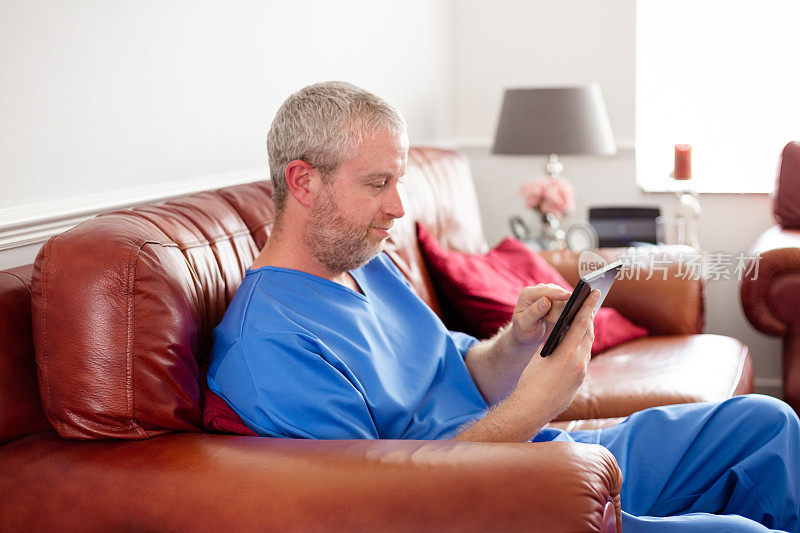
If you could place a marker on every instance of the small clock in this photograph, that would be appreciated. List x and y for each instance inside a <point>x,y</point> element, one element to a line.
<point>581,237</point>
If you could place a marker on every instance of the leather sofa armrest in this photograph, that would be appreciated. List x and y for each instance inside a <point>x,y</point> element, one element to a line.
<point>770,289</point>
<point>663,292</point>
<point>179,482</point>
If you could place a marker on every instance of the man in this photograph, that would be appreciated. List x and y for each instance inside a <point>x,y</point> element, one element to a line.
<point>325,339</point>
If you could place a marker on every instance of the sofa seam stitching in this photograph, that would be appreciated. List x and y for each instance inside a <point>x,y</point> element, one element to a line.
<point>214,240</point>
<point>129,344</point>
<point>46,360</point>
<point>129,322</point>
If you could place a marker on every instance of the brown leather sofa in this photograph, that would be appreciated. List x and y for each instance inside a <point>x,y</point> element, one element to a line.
<point>770,292</point>
<point>104,341</point>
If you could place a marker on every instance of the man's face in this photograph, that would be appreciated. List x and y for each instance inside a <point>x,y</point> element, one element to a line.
<point>353,211</point>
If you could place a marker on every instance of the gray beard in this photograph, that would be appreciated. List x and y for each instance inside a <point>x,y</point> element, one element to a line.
<point>334,241</point>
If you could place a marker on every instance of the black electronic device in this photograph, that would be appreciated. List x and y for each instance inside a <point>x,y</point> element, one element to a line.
<point>599,279</point>
<point>624,226</point>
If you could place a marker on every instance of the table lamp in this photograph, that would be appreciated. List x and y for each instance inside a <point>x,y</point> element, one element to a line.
<point>552,121</point>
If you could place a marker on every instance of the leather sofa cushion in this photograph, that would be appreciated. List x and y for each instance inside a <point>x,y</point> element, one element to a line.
<point>662,370</point>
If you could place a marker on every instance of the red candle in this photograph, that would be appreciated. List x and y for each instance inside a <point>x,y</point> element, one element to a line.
<point>683,162</point>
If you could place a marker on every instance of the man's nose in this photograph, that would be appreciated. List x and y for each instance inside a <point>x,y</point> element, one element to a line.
<point>394,207</point>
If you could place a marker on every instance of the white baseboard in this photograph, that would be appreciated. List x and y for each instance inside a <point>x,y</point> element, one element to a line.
<point>35,223</point>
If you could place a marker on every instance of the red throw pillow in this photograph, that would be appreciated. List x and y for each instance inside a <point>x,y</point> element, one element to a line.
<point>483,289</point>
<point>218,416</point>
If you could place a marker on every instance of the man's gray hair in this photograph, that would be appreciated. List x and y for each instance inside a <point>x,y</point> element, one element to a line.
<point>323,124</point>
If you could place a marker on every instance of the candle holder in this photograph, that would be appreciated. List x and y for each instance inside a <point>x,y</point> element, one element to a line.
<point>688,207</point>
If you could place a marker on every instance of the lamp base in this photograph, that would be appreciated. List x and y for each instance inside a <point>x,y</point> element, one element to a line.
<point>551,237</point>
<point>554,167</point>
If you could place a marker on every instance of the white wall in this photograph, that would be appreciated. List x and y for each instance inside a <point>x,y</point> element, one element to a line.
<point>548,42</point>
<point>97,96</point>
<point>519,43</point>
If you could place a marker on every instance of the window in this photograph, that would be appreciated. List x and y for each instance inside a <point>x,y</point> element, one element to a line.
<point>722,76</point>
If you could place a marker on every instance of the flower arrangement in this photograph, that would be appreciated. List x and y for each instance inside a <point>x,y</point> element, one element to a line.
<point>550,195</point>
<point>553,197</point>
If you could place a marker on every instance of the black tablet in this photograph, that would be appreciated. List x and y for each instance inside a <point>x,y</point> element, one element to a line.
<point>599,279</point>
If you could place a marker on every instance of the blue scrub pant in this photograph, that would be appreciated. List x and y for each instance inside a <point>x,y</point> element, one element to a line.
<point>729,466</point>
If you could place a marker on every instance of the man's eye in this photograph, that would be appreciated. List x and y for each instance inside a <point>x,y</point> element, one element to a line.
<point>379,186</point>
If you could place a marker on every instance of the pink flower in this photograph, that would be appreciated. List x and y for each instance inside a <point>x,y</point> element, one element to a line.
<point>549,195</point>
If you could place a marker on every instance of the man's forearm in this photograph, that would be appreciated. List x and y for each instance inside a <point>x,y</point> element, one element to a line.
<point>495,365</point>
<point>515,419</point>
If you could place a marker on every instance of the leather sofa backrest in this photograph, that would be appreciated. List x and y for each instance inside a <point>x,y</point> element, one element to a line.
<point>21,411</point>
<point>786,197</point>
<point>124,304</point>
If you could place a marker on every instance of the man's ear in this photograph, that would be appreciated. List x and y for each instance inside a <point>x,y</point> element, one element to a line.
<point>302,180</point>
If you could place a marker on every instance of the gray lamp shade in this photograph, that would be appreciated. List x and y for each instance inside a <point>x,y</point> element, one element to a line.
<point>560,120</point>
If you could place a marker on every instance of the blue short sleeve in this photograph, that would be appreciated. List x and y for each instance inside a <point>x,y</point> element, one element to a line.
<point>286,385</point>
<point>463,342</point>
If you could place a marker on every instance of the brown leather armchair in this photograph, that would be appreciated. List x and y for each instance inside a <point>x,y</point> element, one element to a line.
<point>770,292</point>
<point>104,339</point>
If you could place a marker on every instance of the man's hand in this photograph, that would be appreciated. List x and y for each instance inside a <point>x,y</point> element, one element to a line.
<point>535,314</point>
<point>496,364</point>
<point>546,385</point>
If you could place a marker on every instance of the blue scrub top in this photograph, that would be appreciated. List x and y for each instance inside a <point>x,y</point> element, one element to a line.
<point>300,356</point>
